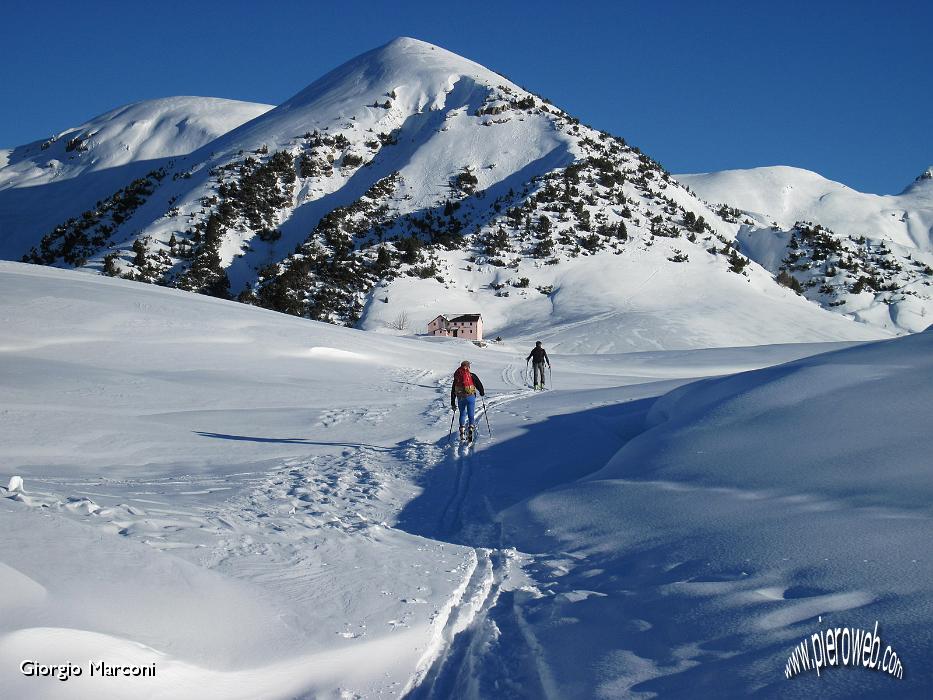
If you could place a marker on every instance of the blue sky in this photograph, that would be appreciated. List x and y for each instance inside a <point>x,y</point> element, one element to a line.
<point>842,88</point>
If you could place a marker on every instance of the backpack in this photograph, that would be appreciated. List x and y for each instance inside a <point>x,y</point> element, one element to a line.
<point>463,382</point>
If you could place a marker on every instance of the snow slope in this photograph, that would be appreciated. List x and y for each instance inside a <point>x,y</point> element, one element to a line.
<point>266,506</point>
<point>786,195</point>
<point>631,302</point>
<point>44,183</point>
<point>741,516</point>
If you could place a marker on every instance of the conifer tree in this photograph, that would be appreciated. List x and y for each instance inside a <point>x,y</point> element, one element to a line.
<point>139,260</point>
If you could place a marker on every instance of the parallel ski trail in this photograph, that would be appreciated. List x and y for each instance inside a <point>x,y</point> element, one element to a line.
<point>440,678</point>
<point>484,646</point>
<point>451,517</point>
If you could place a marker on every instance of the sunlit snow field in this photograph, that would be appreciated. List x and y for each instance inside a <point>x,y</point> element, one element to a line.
<point>265,506</point>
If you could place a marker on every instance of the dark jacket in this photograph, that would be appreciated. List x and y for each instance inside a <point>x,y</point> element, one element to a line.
<point>453,390</point>
<point>538,355</point>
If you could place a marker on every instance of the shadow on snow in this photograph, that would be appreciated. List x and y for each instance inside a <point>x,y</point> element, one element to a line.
<point>462,495</point>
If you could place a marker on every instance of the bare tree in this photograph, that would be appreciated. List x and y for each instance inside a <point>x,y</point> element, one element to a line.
<point>400,322</point>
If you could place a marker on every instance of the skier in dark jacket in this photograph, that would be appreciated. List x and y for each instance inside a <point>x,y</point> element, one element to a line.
<point>538,357</point>
<point>463,394</point>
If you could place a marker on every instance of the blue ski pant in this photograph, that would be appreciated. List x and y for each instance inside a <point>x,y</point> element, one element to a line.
<point>467,405</point>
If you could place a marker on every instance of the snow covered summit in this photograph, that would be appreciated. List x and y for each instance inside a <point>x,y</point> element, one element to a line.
<point>418,71</point>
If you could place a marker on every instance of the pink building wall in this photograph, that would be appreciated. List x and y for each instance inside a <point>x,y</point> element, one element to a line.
<point>468,326</point>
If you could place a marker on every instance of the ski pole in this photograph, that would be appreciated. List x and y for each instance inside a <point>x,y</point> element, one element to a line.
<point>486,414</point>
<point>550,375</point>
<point>527,373</point>
<point>451,431</point>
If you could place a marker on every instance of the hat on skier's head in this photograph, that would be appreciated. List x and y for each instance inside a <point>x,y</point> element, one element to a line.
<point>538,344</point>
<point>465,363</point>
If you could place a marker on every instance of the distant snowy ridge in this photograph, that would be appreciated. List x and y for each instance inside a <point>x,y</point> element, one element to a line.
<point>46,182</point>
<point>865,255</point>
<point>413,181</point>
<point>147,130</point>
<point>785,195</point>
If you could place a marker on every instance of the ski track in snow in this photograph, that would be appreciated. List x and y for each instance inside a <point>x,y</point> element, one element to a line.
<point>453,669</point>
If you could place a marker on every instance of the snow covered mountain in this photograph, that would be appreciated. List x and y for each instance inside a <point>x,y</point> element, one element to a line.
<point>148,130</point>
<point>44,183</point>
<point>865,255</point>
<point>410,182</point>
<point>785,195</point>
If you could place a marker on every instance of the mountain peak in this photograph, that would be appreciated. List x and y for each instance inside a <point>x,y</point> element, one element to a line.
<point>923,183</point>
<point>416,68</point>
<point>404,42</point>
<point>407,47</point>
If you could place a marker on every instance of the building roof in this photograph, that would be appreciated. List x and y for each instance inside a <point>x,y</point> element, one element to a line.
<point>465,318</point>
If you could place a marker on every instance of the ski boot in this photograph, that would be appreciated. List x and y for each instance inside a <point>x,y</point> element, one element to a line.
<point>462,434</point>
